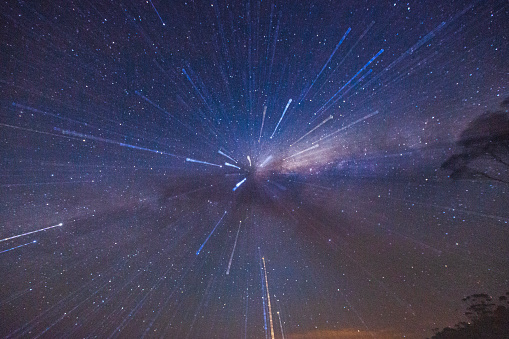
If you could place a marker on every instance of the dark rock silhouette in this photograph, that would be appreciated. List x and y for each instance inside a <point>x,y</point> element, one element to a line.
<point>487,319</point>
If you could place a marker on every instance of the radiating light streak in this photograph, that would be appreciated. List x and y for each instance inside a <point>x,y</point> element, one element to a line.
<point>347,126</point>
<point>69,299</point>
<point>176,287</point>
<point>426,38</point>
<point>349,81</point>
<point>263,121</point>
<point>231,165</point>
<point>268,82</point>
<point>247,308</point>
<point>353,86</point>
<point>32,232</point>
<point>326,107</point>
<point>347,54</point>
<point>348,90</point>
<point>109,141</point>
<point>66,314</point>
<point>32,109</point>
<point>314,185</point>
<point>36,131</point>
<point>263,297</point>
<point>196,89</point>
<point>232,174</point>
<point>238,184</point>
<point>203,302</point>
<point>345,251</point>
<point>436,250</point>
<point>202,162</point>
<point>188,192</point>
<point>266,161</point>
<point>10,249</point>
<point>201,247</point>
<point>154,7</point>
<point>189,128</point>
<point>306,150</point>
<point>249,159</point>
<point>280,119</point>
<point>268,300</point>
<point>226,155</point>
<point>357,314</point>
<point>281,187</point>
<point>324,66</point>
<point>320,124</point>
<point>23,107</point>
<point>153,103</point>
<point>461,210</point>
<point>233,251</point>
<point>281,325</point>
<point>49,183</point>
<point>412,49</point>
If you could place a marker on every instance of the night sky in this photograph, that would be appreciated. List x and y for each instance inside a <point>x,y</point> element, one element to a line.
<point>246,169</point>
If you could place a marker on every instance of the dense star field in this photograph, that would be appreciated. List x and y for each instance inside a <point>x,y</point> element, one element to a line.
<point>247,169</point>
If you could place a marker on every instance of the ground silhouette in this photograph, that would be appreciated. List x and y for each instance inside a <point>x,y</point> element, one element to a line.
<point>484,148</point>
<point>487,319</point>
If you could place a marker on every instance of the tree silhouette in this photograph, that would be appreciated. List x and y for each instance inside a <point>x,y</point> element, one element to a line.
<point>487,319</point>
<point>484,148</point>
